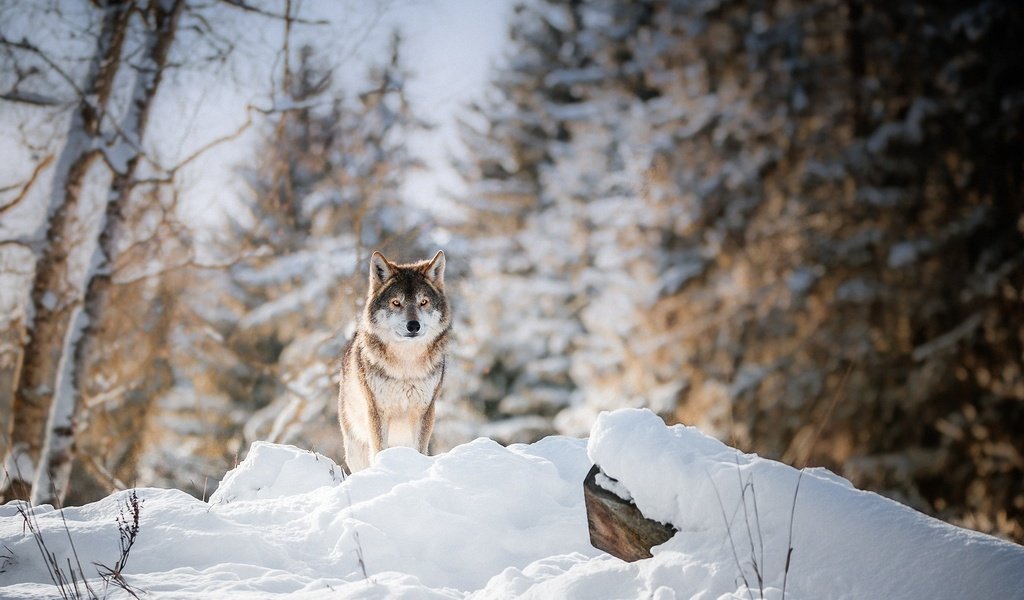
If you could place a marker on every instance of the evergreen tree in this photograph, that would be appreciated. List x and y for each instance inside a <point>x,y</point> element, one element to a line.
<point>523,245</point>
<point>260,363</point>
<point>795,225</point>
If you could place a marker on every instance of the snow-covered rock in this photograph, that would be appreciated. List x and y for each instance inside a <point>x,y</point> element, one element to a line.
<point>846,542</point>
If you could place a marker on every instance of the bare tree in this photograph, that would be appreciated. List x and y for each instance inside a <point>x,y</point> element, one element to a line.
<point>55,297</point>
<point>52,478</point>
<point>99,173</point>
<point>63,302</point>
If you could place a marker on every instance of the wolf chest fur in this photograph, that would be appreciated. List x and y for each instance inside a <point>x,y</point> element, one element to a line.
<point>393,368</point>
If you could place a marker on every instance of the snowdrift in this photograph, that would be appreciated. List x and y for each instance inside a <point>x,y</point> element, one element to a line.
<point>486,521</point>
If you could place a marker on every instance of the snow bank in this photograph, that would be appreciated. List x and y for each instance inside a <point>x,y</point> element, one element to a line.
<point>284,523</point>
<point>486,521</point>
<point>274,471</point>
<point>847,542</point>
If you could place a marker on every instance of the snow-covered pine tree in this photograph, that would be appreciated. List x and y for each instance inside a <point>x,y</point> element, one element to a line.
<point>570,254</point>
<point>852,182</point>
<point>781,220</point>
<point>524,244</point>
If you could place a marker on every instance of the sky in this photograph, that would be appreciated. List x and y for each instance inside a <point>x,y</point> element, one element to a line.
<point>451,47</point>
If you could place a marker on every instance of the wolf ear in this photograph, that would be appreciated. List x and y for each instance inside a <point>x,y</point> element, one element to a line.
<point>381,270</point>
<point>434,271</point>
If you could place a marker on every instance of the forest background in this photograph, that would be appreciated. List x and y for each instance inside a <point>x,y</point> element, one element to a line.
<point>795,225</point>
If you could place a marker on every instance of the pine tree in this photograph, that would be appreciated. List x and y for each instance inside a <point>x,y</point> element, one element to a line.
<point>523,245</point>
<point>324,192</point>
<point>794,225</point>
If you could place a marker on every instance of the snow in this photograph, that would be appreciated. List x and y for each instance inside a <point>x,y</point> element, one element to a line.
<point>276,471</point>
<point>846,542</point>
<point>607,483</point>
<point>487,521</point>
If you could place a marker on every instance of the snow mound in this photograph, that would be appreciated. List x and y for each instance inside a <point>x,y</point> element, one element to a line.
<point>276,471</point>
<point>285,523</point>
<point>846,542</point>
<point>486,521</point>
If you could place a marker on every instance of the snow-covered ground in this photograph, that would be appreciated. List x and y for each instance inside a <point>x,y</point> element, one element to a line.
<point>486,521</point>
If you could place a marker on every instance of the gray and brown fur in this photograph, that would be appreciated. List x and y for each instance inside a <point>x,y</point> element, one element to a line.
<point>393,369</point>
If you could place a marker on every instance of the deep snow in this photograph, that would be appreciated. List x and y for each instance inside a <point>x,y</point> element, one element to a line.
<point>486,521</point>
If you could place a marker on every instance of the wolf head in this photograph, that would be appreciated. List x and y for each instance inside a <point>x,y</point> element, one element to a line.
<point>407,302</point>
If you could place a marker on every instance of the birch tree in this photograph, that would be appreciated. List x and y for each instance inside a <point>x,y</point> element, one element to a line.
<point>55,298</point>
<point>124,157</point>
<point>102,151</point>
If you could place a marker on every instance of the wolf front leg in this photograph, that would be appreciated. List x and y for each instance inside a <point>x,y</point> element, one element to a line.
<point>426,428</point>
<point>378,432</point>
<point>357,454</point>
<point>427,421</point>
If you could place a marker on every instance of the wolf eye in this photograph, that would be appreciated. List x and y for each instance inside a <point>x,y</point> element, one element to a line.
<point>424,302</point>
<point>396,303</point>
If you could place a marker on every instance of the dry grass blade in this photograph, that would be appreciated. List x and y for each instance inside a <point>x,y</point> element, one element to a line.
<point>789,542</point>
<point>750,533</point>
<point>732,543</point>
<point>355,534</point>
<point>66,581</point>
<point>7,558</point>
<point>74,550</point>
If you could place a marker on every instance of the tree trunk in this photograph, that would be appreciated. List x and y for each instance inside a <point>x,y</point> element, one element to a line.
<point>55,295</point>
<point>58,451</point>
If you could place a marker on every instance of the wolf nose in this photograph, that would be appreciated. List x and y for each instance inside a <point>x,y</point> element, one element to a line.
<point>413,326</point>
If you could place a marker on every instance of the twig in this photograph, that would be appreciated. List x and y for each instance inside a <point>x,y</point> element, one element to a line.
<point>170,172</point>
<point>789,542</point>
<point>128,530</point>
<point>254,9</point>
<point>355,531</point>
<point>8,558</point>
<point>40,543</point>
<point>29,98</point>
<point>24,44</point>
<point>25,187</point>
<point>746,519</point>
<point>803,464</point>
<point>67,530</point>
<point>825,419</point>
<point>949,339</point>
<point>757,520</point>
<point>728,531</point>
<point>113,483</point>
<point>65,582</point>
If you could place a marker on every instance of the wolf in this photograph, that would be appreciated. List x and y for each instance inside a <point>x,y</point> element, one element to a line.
<point>393,368</point>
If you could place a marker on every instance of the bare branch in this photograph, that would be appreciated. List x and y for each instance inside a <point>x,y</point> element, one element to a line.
<point>25,45</point>
<point>30,98</point>
<point>215,142</point>
<point>25,187</point>
<point>253,9</point>
<point>21,243</point>
<point>100,472</point>
<point>170,172</point>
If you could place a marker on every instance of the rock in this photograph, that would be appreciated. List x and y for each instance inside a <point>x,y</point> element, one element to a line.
<point>617,526</point>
